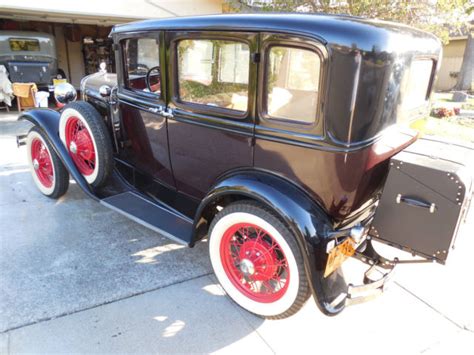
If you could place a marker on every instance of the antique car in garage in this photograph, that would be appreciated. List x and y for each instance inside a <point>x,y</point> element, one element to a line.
<point>30,57</point>
<point>282,139</point>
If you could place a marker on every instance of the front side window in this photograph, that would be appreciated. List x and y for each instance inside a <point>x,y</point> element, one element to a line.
<point>142,64</point>
<point>292,84</point>
<point>214,73</point>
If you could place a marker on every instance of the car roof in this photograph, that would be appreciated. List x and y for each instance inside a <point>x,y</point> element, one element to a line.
<point>25,34</point>
<point>332,29</point>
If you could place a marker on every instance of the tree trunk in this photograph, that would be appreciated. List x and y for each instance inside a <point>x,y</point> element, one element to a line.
<point>465,78</point>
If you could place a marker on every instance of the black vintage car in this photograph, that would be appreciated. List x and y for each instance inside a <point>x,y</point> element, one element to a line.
<point>283,139</point>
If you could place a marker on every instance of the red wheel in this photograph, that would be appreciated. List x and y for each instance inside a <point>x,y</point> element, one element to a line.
<point>42,165</point>
<point>49,174</point>
<point>85,135</point>
<point>257,261</point>
<point>80,145</point>
<point>254,262</point>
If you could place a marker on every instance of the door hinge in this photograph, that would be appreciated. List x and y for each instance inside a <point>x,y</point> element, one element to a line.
<point>256,57</point>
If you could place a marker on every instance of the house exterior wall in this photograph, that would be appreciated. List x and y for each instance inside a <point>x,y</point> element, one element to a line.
<point>451,62</point>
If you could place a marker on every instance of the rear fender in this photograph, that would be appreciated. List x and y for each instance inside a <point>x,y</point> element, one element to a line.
<point>48,121</point>
<point>306,219</point>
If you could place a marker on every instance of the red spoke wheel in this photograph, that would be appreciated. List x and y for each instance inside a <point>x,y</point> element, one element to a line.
<point>254,262</point>
<point>80,145</point>
<point>257,261</point>
<point>49,174</point>
<point>85,135</point>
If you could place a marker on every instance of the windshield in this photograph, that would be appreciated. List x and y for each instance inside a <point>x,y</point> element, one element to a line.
<point>26,45</point>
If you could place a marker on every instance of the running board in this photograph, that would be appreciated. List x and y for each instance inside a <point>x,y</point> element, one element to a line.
<point>151,215</point>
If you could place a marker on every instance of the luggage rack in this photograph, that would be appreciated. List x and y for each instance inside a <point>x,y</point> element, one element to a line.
<point>376,277</point>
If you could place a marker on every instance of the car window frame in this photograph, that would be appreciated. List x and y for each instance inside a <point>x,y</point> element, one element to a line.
<point>140,94</point>
<point>248,38</point>
<point>269,40</point>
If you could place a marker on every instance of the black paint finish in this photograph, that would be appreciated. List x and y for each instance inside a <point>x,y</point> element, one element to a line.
<point>309,223</point>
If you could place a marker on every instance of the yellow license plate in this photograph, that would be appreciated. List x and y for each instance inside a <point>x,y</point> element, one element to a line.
<point>59,81</point>
<point>338,255</point>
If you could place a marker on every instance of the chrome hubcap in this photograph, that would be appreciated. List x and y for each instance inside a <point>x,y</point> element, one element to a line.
<point>247,267</point>
<point>73,147</point>
<point>36,164</point>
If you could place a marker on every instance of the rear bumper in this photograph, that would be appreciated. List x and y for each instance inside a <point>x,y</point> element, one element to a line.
<point>375,281</point>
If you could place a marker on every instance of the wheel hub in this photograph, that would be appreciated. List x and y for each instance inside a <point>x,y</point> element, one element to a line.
<point>73,147</point>
<point>260,257</point>
<point>247,267</point>
<point>36,164</point>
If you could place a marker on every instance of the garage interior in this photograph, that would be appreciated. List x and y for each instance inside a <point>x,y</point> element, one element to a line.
<point>80,47</point>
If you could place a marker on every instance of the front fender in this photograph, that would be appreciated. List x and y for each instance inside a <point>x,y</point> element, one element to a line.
<point>48,121</point>
<point>307,220</point>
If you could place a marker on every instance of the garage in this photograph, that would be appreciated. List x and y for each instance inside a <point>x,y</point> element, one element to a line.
<point>81,35</point>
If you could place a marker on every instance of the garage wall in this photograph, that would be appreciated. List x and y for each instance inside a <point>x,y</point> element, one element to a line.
<point>61,48</point>
<point>76,60</point>
<point>75,71</point>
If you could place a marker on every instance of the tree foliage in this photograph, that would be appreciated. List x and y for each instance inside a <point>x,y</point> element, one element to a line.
<point>436,16</point>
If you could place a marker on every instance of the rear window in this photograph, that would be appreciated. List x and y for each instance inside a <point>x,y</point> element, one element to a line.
<point>292,84</point>
<point>416,85</point>
<point>25,45</point>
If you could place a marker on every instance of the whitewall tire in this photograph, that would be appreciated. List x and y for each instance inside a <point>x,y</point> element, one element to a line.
<point>257,261</point>
<point>83,132</point>
<point>47,170</point>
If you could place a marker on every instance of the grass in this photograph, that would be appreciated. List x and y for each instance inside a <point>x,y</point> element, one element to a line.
<point>444,128</point>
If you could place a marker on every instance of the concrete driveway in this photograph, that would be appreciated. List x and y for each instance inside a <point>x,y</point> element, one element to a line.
<point>77,277</point>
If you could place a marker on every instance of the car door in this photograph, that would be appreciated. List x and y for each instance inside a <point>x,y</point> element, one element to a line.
<point>145,139</point>
<point>212,91</point>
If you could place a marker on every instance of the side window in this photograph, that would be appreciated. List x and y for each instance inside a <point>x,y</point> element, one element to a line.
<point>292,83</point>
<point>141,58</point>
<point>214,73</point>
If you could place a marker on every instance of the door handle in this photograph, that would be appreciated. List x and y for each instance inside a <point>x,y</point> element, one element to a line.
<point>410,201</point>
<point>167,113</point>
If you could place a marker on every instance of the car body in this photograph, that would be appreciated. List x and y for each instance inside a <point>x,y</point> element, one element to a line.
<point>30,57</point>
<point>299,114</point>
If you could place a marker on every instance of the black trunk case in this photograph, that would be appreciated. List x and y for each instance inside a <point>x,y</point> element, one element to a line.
<point>425,198</point>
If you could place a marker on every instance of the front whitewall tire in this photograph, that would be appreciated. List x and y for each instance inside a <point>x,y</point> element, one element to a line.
<point>29,140</point>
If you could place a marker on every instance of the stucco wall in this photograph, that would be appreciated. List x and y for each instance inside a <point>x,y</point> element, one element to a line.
<point>451,62</point>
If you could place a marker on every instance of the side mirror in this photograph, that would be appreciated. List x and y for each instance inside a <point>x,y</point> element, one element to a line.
<point>65,93</point>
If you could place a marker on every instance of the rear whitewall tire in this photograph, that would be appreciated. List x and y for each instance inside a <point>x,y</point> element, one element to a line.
<point>296,294</point>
